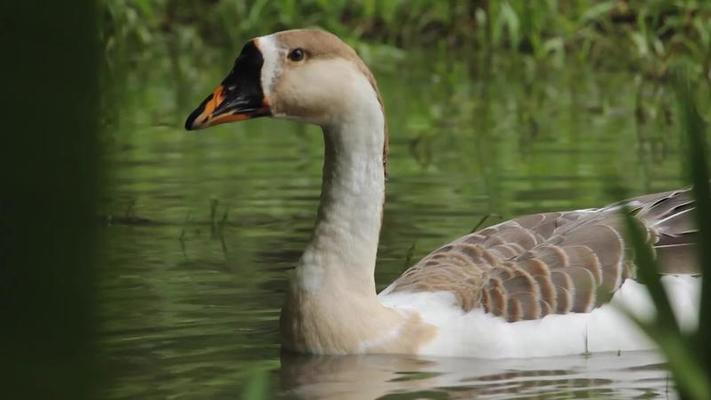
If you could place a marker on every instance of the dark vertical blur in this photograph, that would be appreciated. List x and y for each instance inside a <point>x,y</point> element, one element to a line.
<point>48,189</point>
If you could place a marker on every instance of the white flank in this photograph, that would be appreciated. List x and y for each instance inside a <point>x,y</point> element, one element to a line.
<point>482,335</point>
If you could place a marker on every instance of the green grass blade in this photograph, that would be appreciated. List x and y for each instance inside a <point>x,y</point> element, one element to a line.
<point>690,377</point>
<point>689,360</point>
<point>258,385</point>
<point>648,272</point>
<point>693,127</point>
<point>682,357</point>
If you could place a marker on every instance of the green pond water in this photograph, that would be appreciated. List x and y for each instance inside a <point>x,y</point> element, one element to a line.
<point>202,227</point>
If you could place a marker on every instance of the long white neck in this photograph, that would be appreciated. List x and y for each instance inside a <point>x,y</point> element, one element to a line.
<point>343,249</point>
<point>331,305</point>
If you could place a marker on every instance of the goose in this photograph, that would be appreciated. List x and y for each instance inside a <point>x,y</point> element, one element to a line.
<point>540,285</point>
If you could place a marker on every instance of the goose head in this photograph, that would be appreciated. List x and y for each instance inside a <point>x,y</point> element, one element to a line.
<point>306,75</point>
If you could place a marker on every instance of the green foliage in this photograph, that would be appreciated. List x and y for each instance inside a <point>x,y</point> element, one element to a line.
<point>693,125</point>
<point>653,32</point>
<point>689,357</point>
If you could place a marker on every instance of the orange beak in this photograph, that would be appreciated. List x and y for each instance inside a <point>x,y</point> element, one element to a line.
<point>215,110</point>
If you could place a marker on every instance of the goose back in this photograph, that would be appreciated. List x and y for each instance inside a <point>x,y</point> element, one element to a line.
<point>558,262</point>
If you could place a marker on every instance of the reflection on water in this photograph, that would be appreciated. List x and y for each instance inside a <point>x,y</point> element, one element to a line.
<point>630,375</point>
<point>202,227</point>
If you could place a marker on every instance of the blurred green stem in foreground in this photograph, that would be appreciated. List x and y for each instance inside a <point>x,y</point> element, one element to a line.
<point>49,171</point>
<point>689,357</point>
<point>257,387</point>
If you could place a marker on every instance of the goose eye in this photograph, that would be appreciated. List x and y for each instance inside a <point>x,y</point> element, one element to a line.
<point>296,55</point>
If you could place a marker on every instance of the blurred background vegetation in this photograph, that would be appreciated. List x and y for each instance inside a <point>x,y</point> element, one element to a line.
<point>647,35</point>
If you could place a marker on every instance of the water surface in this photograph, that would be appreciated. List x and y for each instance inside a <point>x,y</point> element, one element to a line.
<point>202,227</point>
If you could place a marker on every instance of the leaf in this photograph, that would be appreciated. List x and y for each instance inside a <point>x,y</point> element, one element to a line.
<point>693,127</point>
<point>689,360</point>
<point>648,271</point>
<point>598,10</point>
<point>684,365</point>
<point>258,386</point>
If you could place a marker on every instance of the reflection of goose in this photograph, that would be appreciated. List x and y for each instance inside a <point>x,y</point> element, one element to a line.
<point>374,376</point>
<point>533,286</point>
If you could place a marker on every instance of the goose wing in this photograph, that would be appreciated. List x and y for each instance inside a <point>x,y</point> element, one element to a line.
<point>558,262</point>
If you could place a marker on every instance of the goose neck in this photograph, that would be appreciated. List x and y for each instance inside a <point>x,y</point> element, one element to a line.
<point>342,252</point>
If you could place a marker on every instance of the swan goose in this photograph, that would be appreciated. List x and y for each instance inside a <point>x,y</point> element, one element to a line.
<point>539,285</point>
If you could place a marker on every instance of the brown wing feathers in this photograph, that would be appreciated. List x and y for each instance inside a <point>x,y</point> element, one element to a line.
<point>553,263</point>
<point>670,223</point>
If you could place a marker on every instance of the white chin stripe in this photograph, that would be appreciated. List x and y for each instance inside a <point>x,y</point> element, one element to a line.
<point>272,56</point>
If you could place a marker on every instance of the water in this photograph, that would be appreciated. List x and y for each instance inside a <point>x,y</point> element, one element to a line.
<point>202,227</point>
